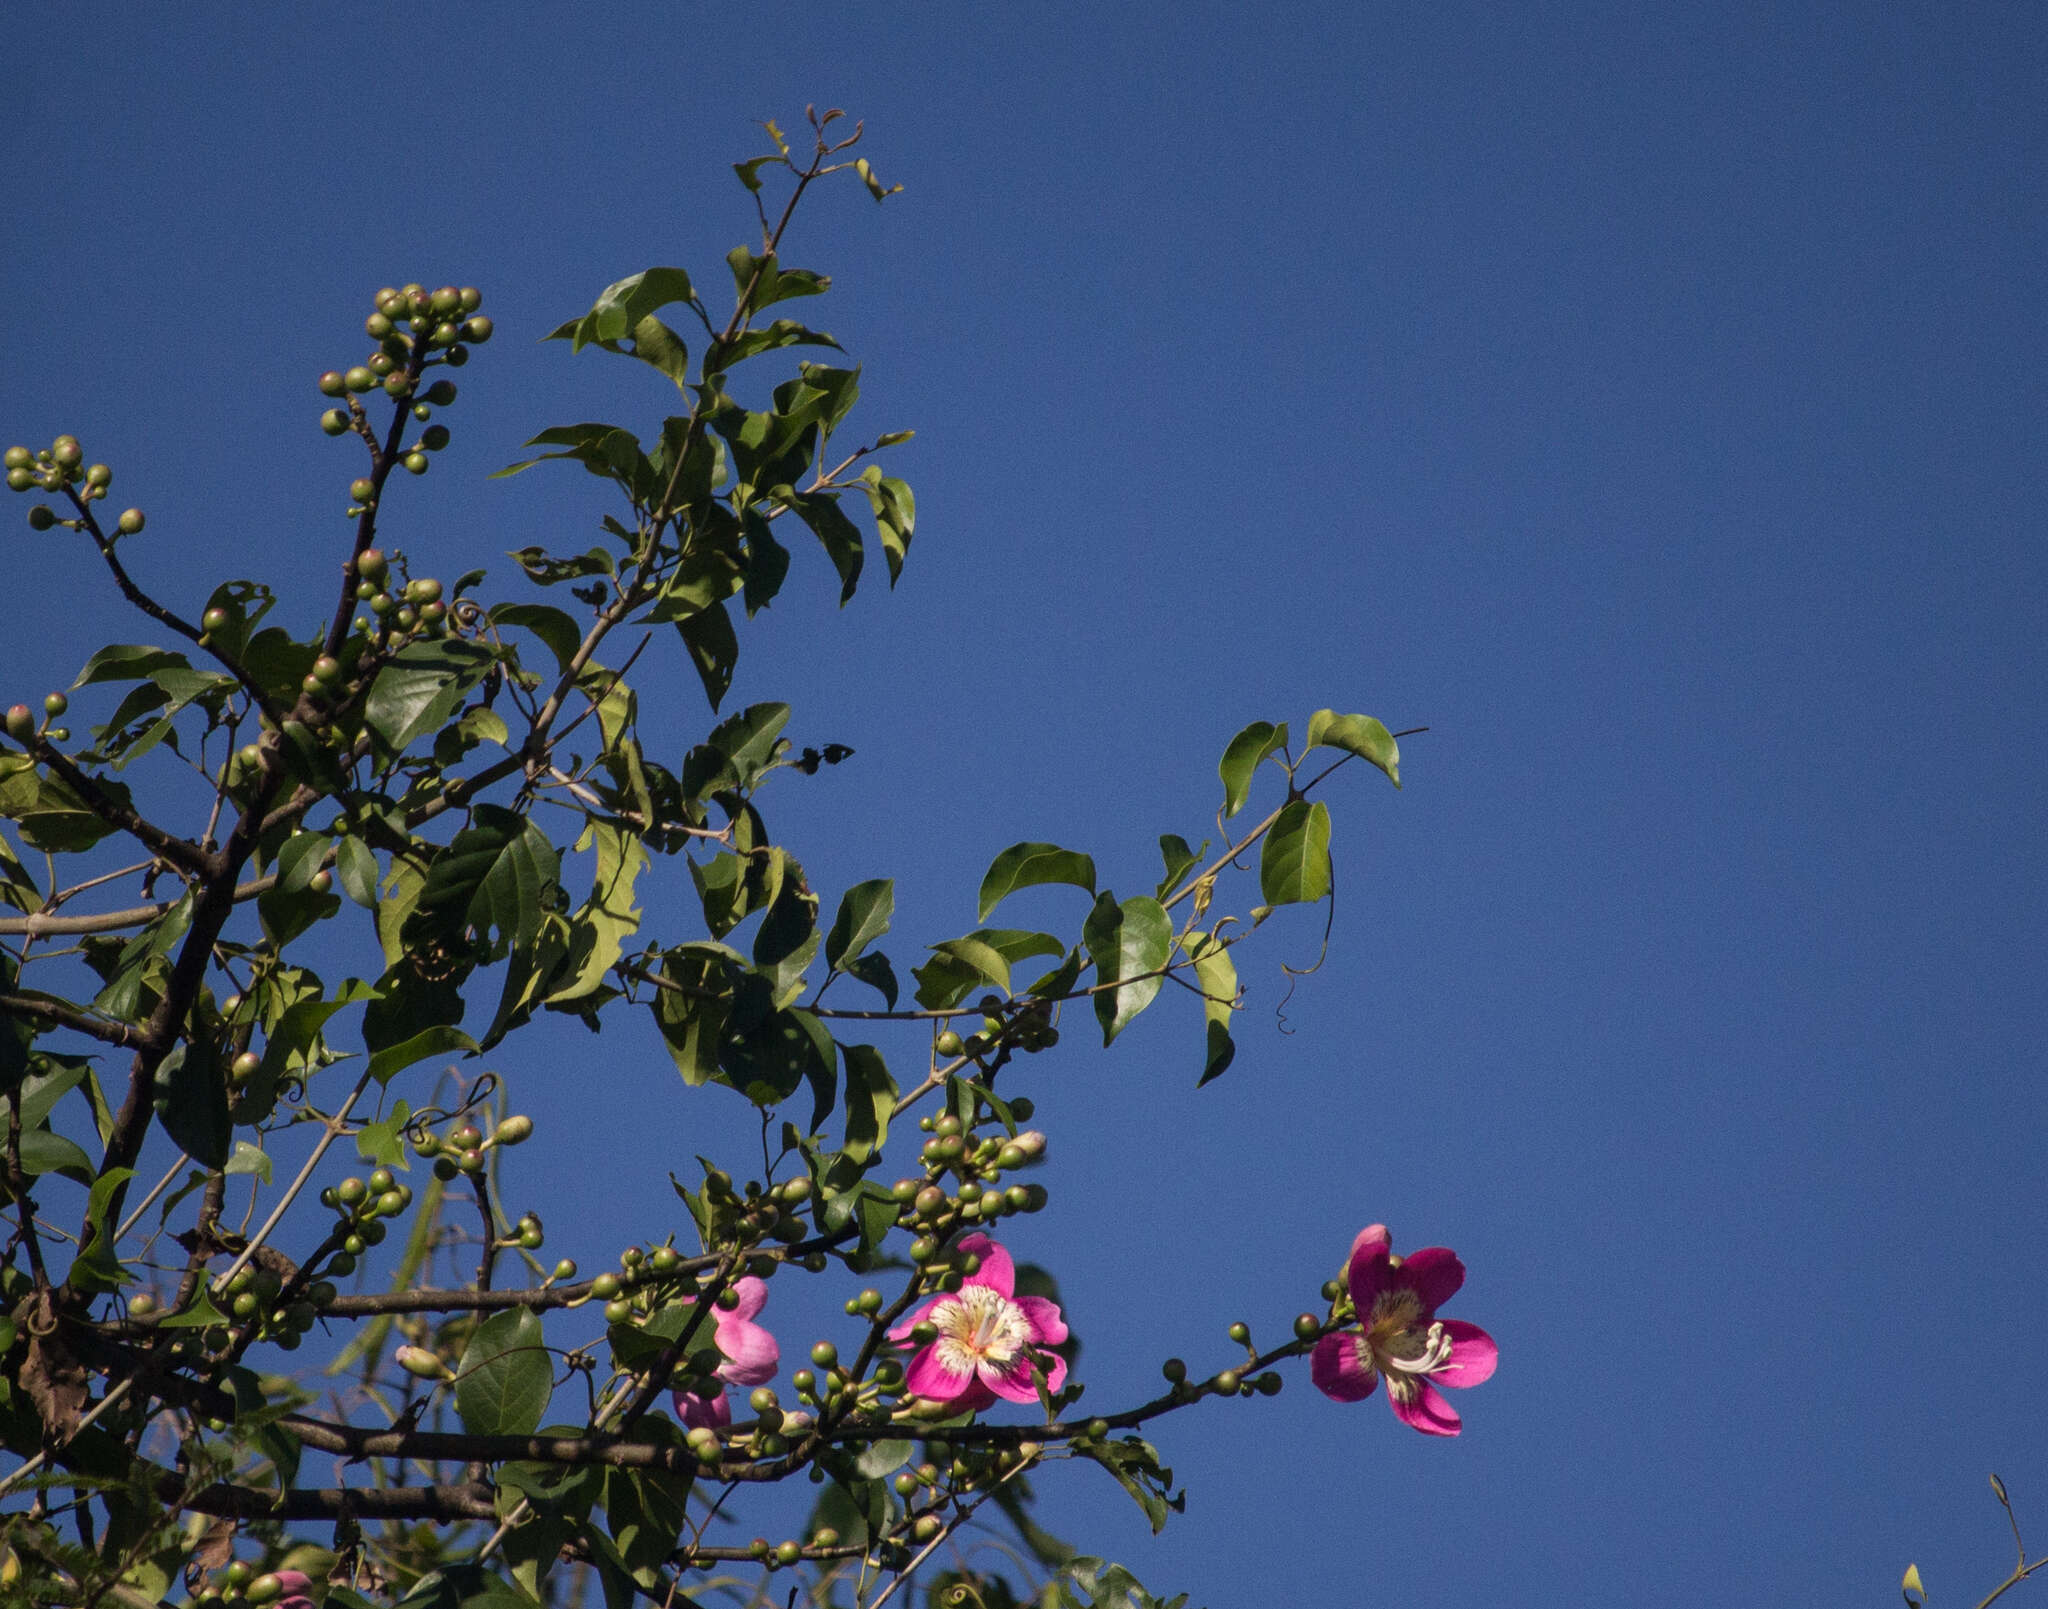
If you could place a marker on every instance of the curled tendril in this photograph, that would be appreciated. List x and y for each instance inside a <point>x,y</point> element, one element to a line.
<point>467,613</point>
<point>960,1595</point>
<point>418,1123</point>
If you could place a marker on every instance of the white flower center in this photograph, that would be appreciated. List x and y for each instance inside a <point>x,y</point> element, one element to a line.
<point>979,1327</point>
<point>1400,1346</point>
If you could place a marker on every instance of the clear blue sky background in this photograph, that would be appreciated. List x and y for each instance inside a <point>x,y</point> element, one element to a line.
<point>1647,399</point>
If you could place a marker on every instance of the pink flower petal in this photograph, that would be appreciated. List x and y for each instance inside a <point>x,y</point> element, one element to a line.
<point>751,1353</point>
<point>752,1294</point>
<point>975,1398</point>
<point>1434,1274</point>
<point>997,1272</point>
<point>701,1412</point>
<point>294,1580</point>
<point>1473,1355</point>
<point>1015,1382</point>
<point>1429,1412</point>
<point>1370,1270</point>
<point>1341,1368</point>
<point>1048,1326</point>
<point>927,1376</point>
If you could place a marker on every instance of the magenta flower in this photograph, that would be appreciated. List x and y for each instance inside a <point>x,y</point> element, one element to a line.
<point>295,1583</point>
<point>989,1338</point>
<point>1399,1335</point>
<point>751,1355</point>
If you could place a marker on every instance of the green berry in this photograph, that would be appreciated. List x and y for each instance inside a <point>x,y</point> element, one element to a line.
<point>370,564</point>
<point>55,704</point>
<point>20,480</point>
<point>1241,1333</point>
<point>445,300</point>
<point>434,438</point>
<point>245,1066</point>
<point>333,383</point>
<point>377,326</point>
<point>396,386</point>
<point>41,517</point>
<point>441,393</point>
<point>327,668</point>
<point>358,379</point>
<point>130,522</point>
<point>469,298</point>
<point>334,421</point>
<point>1306,1325</point>
<point>416,463</point>
<point>66,452</point>
<point>362,489</point>
<point>99,475</point>
<point>17,458</point>
<point>457,356</point>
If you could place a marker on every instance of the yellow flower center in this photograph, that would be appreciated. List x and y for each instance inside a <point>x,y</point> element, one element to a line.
<point>979,1326</point>
<point>1400,1346</point>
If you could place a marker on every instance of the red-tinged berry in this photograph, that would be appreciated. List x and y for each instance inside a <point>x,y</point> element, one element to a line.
<point>362,488</point>
<point>66,453</point>
<point>445,300</point>
<point>333,383</point>
<point>21,723</point>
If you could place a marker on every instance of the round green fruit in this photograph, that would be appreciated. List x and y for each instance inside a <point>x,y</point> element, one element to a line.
<point>334,421</point>
<point>20,479</point>
<point>440,393</point>
<point>17,458</point>
<point>41,517</point>
<point>99,475</point>
<point>358,379</point>
<point>416,463</point>
<point>131,521</point>
<point>362,488</point>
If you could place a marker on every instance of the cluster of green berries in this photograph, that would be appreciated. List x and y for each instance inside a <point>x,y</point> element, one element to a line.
<point>252,1297</point>
<point>21,724</point>
<point>360,1207</point>
<point>239,1586</point>
<point>1234,1382</point>
<point>648,1277</point>
<point>416,607</point>
<point>464,1148</point>
<point>975,1167</point>
<point>61,467</point>
<point>415,329</point>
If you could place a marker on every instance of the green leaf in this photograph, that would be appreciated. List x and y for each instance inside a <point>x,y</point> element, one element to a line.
<point>1180,860</point>
<point>387,1063</point>
<point>382,1143</point>
<point>614,315</point>
<point>895,511</point>
<point>192,1101</point>
<point>1294,864</point>
<point>1127,942</point>
<point>1241,758</point>
<point>864,912</point>
<point>128,662</point>
<point>959,966</point>
<point>1356,734</point>
<point>418,689</point>
<point>1216,976</point>
<point>552,626</point>
<point>98,1265</point>
<point>875,971</point>
<point>505,1379</point>
<point>837,534</point>
<point>870,1101</point>
<point>492,881</point>
<point>44,1152</point>
<point>883,1458</point>
<point>692,1016</point>
<point>1022,865</point>
<point>598,930</point>
<point>355,865</point>
<point>713,649</point>
<point>249,1158</point>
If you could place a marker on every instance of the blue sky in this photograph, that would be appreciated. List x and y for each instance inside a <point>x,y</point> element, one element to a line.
<point>1648,400</point>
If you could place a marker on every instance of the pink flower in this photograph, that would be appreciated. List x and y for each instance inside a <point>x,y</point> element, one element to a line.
<point>751,1355</point>
<point>1400,1336</point>
<point>295,1583</point>
<point>989,1338</point>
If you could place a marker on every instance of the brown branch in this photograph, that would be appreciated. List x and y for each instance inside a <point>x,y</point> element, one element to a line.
<point>340,1502</point>
<point>47,1008</point>
<point>180,852</point>
<point>38,925</point>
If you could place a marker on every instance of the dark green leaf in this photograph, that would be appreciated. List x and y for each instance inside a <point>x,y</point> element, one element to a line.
<point>493,882</point>
<point>44,1152</point>
<point>1241,758</point>
<point>874,970</point>
<point>1180,860</point>
<point>128,662</point>
<point>192,1102</point>
<point>613,316</point>
<point>439,1040</point>
<point>837,534</point>
<point>1216,976</point>
<point>1294,864</point>
<point>418,689</point>
<point>713,649</point>
<point>883,1458</point>
<point>504,1381</point>
<point>355,865</point>
<point>1130,945</point>
<point>1022,865</point>
<point>870,1100</point>
<point>551,625</point>
<point>864,912</point>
